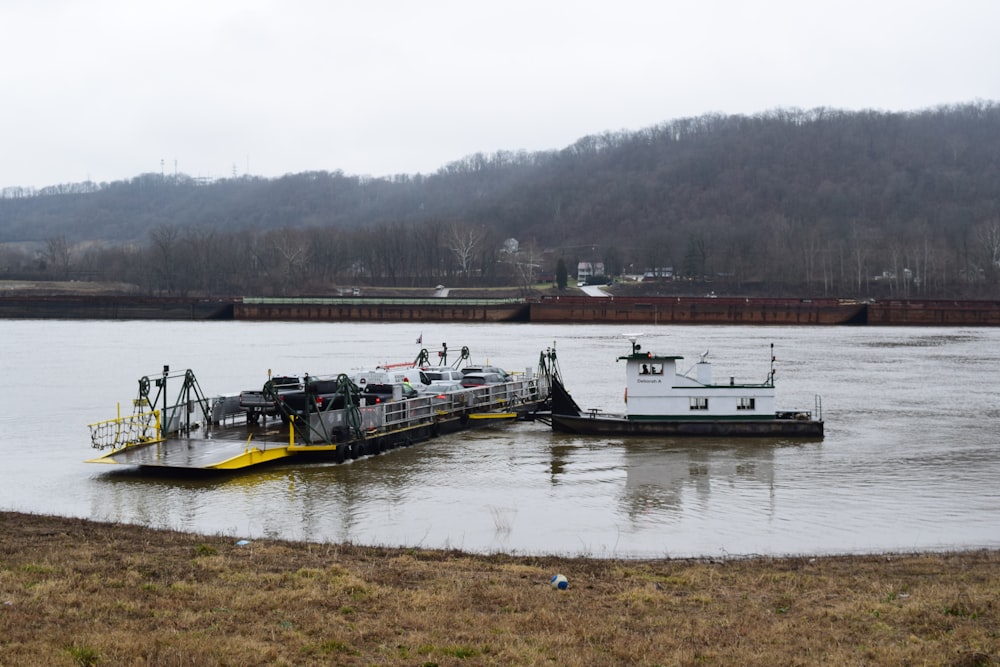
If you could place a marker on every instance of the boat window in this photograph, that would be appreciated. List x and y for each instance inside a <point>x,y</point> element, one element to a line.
<point>699,403</point>
<point>651,369</point>
<point>746,403</point>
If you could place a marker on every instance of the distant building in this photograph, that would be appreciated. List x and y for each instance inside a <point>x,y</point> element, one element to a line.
<point>585,270</point>
<point>659,273</point>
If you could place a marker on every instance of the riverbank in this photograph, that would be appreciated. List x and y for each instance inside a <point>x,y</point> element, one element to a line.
<point>74,592</point>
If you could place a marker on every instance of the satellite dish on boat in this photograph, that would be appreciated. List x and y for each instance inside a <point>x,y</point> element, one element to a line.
<point>632,336</point>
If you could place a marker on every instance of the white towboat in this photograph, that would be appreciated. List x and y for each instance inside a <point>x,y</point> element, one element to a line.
<point>660,400</point>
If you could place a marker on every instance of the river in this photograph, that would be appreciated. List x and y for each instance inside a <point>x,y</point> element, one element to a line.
<point>910,461</point>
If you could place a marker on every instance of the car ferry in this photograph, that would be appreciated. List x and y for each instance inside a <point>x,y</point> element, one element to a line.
<point>313,418</point>
<point>660,400</point>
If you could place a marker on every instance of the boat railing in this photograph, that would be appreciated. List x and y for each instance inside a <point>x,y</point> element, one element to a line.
<point>146,425</point>
<point>140,427</point>
<point>497,395</point>
<point>332,425</point>
<point>804,415</point>
<point>408,412</point>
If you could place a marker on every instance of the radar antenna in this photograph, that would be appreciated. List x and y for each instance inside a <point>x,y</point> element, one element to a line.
<point>632,338</point>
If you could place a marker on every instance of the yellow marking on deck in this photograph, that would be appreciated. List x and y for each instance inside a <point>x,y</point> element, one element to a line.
<point>251,457</point>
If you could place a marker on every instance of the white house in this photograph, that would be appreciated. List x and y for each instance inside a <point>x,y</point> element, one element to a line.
<point>585,270</point>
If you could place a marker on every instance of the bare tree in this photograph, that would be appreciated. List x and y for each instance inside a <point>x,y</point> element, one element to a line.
<point>165,256</point>
<point>524,262</point>
<point>58,253</point>
<point>988,237</point>
<point>464,241</point>
<point>860,244</point>
<point>432,261</point>
<point>289,248</point>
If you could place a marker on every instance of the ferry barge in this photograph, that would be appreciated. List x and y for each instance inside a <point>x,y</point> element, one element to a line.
<point>331,418</point>
<point>661,401</point>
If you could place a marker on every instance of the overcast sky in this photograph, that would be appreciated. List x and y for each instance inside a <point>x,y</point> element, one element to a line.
<point>104,90</point>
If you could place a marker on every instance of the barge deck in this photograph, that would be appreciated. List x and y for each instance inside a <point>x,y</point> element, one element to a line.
<point>196,433</point>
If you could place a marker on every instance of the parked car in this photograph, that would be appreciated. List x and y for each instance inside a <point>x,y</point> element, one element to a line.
<point>433,374</point>
<point>506,377</point>
<point>448,395</point>
<point>323,394</point>
<point>256,402</point>
<point>382,393</point>
<point>481,379</point>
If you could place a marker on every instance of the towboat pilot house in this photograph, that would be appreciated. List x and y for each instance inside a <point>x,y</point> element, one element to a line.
<point>656,388</point>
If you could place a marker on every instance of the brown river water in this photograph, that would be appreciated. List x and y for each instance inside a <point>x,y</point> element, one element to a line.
<point>910,462</point>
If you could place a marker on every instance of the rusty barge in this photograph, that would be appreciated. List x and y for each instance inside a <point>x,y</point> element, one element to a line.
<point>644,311</point>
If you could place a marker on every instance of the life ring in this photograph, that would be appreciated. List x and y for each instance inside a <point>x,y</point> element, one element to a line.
<point>362,381</point>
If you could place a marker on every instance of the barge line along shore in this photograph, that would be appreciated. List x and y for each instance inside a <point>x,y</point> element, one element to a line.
<point>193,432</point>
<point>661,401</point>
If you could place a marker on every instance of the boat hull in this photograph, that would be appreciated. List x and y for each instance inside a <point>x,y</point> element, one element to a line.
<point>756,428</point>
<point>238,446</point>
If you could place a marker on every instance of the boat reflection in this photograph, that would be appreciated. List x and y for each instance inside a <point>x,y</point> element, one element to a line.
<point>661,477</point>
<point>477,487</point>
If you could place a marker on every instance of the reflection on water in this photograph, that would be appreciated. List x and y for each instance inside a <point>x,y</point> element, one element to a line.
<point>659,480</point>
<point>910,460</point>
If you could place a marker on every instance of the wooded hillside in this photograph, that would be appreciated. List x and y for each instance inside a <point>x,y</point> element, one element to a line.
<point>789,202</point>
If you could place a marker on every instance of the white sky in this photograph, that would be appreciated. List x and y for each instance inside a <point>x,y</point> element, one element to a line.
<point>106,89</point>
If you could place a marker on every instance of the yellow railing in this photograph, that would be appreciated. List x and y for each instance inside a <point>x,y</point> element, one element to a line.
<point>137,428</point>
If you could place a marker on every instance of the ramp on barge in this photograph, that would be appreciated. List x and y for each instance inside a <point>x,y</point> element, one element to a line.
<point>213,448</point>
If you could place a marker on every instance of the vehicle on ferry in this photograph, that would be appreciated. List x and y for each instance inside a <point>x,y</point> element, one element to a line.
<point>256,404</point>
<point>317,395</point>
<point>429,375</point>
<point>481,379</point>
<point>504,375</point>
<point>381,393</point>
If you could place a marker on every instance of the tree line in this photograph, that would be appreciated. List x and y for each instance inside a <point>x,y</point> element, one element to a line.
<point>184,261</point>
<point>787,202</point>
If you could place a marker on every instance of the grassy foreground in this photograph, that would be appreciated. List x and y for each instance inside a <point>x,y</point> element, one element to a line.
<point>74,592</point>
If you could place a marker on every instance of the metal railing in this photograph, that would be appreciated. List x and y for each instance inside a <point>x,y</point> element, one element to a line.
<point>140,427</point>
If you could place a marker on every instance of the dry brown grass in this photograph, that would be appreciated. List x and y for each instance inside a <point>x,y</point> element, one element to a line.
<point>74,592</point>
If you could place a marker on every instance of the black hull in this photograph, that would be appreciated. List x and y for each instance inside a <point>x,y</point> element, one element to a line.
<point>567,417</point>
<point>613,426</point>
